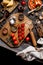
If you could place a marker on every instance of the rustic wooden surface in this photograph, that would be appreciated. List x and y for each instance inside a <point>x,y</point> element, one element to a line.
<point>2,20</point>
<point>28,25</point>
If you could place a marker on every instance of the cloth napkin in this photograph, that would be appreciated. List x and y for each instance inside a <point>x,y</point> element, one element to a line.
<point>30,53</point>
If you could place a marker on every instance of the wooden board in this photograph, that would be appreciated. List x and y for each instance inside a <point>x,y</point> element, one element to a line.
<point>2,20</point>
<point>10,9</point>
<point>28,25</point>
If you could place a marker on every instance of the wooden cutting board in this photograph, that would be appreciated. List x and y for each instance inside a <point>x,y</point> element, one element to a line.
<point>28,25</point>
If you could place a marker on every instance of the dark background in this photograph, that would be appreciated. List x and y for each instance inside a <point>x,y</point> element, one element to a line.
<point>7,57</point>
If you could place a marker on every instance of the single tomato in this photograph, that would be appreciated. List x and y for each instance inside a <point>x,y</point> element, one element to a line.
<point>22,32</point>
<point>14,38</point>
<point>23,36</point>
<point>19,30</point>
<point>22,25</point>
<point>19,34</point>
<point>12,34</point>
<point>16,42</point>
<point>27,39</point>
<point>20,38</point>
<point>22,28</point>
<point>23,2</point>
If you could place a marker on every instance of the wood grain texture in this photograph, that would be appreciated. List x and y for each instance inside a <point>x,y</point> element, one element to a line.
<point>28,24</point>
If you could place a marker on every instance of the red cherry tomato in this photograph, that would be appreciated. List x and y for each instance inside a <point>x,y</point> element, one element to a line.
<point>22,29</point>
<point>19,34</point>
<point>19,27</point>
<point>22,25</point>
<point>23,36</point>
<point>20,38</point>
<point>22,32</point>
<point>23,3</point>
<point>27,39</point>
<point>12,35</point>
<point>16,42</point>
<point>19,30</point>
<point>14,38</point>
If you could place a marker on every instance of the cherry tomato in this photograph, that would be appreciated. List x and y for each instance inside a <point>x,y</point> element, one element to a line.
<point>22,32</point>
<point>22,25</point>
<point>16,42</point>
<point>14,38</point>
<point>23,3</point>
<point>19,34</point>
<point>27,39</point>
<point>22,29</point>
<point>12,35</point>
<point>19,30</point>
<point>20,38</point>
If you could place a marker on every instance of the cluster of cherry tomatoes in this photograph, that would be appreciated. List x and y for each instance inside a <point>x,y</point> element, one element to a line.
<point>14,39</point>
<point>21,33</point>
<point>34,3</point>
<point>21,36</point>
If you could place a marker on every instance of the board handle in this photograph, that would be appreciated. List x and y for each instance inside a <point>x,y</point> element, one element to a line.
<point>33,38</point>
